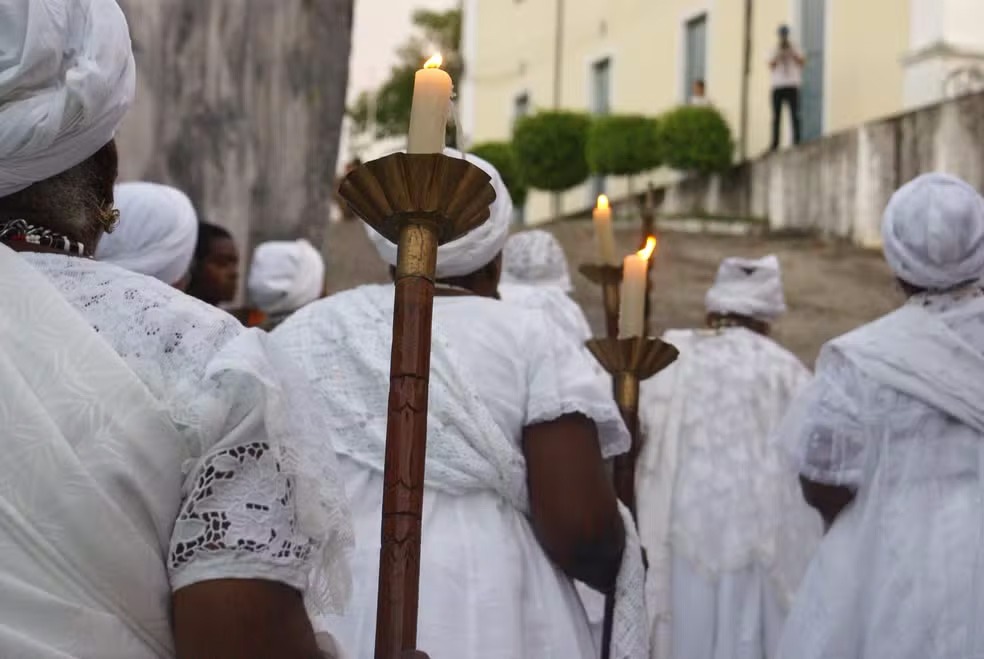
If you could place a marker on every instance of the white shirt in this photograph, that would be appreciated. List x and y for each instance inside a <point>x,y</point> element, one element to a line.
<point>787,72</point>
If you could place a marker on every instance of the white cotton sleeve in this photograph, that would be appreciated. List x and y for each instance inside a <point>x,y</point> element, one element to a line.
<point>563,379</point>
<point>823,431</point>
<point>262,498</point>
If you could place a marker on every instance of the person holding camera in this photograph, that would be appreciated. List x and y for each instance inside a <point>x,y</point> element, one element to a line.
<point>787,64</point>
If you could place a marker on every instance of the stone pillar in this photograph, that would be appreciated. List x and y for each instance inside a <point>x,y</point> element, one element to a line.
<point>946,50</point>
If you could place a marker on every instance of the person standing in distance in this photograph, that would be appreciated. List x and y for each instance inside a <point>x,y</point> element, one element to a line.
<point>215,268</point>
<point>787,64</point>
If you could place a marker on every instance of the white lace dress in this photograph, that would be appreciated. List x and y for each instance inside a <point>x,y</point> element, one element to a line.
<point>901,572</point>
<point>243,485</point>
<point>487,591</point>
<point>720,512</point>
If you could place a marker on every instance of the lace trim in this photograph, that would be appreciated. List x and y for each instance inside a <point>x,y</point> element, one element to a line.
<point>241,502</point>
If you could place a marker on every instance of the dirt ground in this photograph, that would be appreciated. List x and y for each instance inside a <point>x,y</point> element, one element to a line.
<point>830,288</point>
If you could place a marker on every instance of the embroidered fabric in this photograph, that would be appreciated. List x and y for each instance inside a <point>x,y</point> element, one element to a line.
<point>713,487</point>
<point>345,345</point>
<point>261,496</point>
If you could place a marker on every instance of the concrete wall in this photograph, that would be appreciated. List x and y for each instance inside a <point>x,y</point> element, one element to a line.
<point>239,103</point>
<point>839,186</point>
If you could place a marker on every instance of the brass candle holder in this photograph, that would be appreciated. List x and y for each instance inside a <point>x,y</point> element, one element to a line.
<point>609,277</point>
<point>629,361</point>
<point>418,201</point>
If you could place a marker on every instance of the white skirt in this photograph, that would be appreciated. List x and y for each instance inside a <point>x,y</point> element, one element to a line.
<point>735,616</point>
<point>487,590</point>
<point>902,578</point>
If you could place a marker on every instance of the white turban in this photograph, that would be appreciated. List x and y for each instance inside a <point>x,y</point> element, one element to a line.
<point>748,287</point>
<point>535,258</point>
<point>66,79</point>
<point>285,276</point>
<point>478,247</point>
<point>157,232</point>
<point>933,232</point>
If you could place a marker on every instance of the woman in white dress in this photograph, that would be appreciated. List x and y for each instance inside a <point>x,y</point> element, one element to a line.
<point>727,531</point>
<point>889,440</point>
<point>517,501</point>
<point>167,487</point>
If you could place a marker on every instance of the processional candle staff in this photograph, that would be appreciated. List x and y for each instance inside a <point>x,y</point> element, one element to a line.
<point>417,200</point>
<point>630,359</point>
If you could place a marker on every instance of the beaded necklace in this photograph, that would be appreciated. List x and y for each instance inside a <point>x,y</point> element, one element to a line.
<point>22,231</point>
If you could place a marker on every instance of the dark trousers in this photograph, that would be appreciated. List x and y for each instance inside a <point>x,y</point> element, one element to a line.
<point>785,96</point>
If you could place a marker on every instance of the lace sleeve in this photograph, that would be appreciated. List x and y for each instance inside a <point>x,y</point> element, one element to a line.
<point>563,379</point>
<point>263,500</point>
<point>823,432</point>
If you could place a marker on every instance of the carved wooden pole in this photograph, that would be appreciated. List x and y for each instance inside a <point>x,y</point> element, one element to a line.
<point>629,361</point>
<point>648,229</point>
<point>406,442</point>
<point>418,202</point>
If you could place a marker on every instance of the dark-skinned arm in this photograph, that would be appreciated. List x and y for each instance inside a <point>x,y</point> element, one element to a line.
<point>829,500</point>
<point>242,619</point>
<point>572,500</point>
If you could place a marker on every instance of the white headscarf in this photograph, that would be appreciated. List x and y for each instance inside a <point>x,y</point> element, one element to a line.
<point>535,258</point>
<point>285,276</point>
<point>478,247</point>
<point>66,79</point>
<point>933,232</point>
<point>157,232</point>
<point>748,287</point>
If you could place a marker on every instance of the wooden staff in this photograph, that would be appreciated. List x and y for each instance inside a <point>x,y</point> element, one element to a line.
<point>406,442</point>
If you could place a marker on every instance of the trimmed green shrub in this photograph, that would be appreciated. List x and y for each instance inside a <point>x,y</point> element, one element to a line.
<point>623,145</point>
<point>550,149</point>
<point>695,139</point>
<point>502,157</point>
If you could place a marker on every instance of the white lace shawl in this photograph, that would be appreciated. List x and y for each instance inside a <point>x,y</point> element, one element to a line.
<point>713,487</point>
<point>887,384</point>
<point>554,303</point>
<point>344,344</point>
<point>261,497</point>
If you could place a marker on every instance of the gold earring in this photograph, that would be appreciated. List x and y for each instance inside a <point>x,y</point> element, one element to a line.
<point>109,218</point>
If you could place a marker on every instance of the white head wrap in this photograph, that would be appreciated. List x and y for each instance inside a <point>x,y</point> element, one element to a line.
<point>285,276</point>
<point>157,232</point>
<point>478,247</point>
<point>748,287</point>
<point>66,79</point>
<point>933,232</point>
<point>535,258</point>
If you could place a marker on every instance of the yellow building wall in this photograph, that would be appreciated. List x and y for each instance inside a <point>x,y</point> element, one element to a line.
<point>515,44</point>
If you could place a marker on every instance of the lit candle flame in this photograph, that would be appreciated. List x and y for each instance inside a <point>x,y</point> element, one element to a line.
<point>602,202</point>
<point>434,62</point>
<point>646,252</point>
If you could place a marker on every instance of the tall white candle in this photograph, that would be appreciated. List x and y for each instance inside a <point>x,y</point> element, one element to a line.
<point>431,106</point>
<point>604,232</point>
<point>632,311</point>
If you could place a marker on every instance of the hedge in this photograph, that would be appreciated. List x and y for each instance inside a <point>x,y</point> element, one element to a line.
<point>695,139</point>
<point>550,149</point>
<point>503,158</point>
<point>623,145</point>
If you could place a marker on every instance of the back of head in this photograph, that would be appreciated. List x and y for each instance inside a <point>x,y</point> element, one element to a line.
<point>535,258</point>
<point>285,276</point>
<point>480,246</point>
<point>157,234</point>
<point>67,77</point>
<point>748,287</point>
<point>933,233</point>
